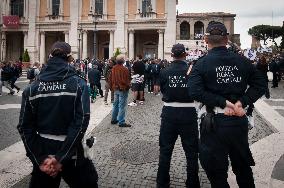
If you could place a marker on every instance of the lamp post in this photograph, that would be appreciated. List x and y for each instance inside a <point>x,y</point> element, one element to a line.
<point>95,16</point>
<point>79,41</point>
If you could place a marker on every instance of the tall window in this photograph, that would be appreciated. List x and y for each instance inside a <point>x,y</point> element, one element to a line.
<point>17,7</point>
<point>146,7</point>
<point>184,31</point>
<point>55,7</point>
<point>99,7</point>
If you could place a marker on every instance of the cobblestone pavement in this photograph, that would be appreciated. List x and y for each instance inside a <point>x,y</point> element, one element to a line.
<point>128,157</point>
<point>131,171</point>
<point>9,117</point>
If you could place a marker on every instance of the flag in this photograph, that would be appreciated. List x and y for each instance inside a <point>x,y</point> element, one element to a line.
<point>11,21</point>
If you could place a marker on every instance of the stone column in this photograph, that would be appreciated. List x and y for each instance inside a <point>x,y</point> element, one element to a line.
<point>73,32</point>
<point>192,30</point>
<point>85,44</point>
<point>3,46</point>
<point>32,46</point>
<point>178,29</point>
<point>119,33</point>
<point>206,23</point>
<point>131,44</point>
<point>25,39</point>
<point>61,9</point>
<point>111,42</point>
<point>25,9</point>
<point>170,31</point>
<point>49,7</point>
<point>161,44</point>
<point>66,36</point>
<point>42,48</point>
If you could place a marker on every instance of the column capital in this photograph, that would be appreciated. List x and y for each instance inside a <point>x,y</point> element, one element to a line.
<point>161,31</point>
<point>42,32</point>
<point>66,32</point>
<point>84,31</point>
<point>131,31</point>
<point>25,32</point>
<point>111,31</point>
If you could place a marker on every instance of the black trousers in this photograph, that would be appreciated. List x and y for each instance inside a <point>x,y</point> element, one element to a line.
<point>229,139</point>
<point>75,175</point>
<point>150,84</point>
<point>275,79</point>
<point>186,127</point>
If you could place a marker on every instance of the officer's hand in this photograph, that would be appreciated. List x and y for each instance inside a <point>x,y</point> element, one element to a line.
<point>46,166</point>
<point>239,110</point>
<point>229,111</point>
<point>229,105</point>
<point>56,167</point>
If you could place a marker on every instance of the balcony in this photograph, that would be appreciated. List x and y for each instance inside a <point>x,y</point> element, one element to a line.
<point>146,15</point>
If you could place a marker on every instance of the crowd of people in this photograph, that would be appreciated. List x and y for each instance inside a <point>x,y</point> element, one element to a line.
<point>9,73</point>
<point>61,91</point>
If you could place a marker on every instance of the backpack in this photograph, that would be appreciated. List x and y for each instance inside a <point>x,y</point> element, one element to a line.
<point>31,74</point>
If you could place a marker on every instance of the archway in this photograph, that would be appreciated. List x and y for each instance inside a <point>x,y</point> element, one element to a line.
<point>198,30</point>
<point>184,31</point>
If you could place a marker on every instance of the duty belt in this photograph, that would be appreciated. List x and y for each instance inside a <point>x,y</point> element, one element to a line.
<point>179,104</point>
<point>53,137</point>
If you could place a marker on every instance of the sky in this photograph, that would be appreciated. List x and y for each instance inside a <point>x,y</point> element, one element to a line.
<point>249,13</point>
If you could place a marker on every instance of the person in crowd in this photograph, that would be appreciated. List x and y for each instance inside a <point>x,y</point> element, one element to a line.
<point>274,68</point>
<point>225,83</point>
<point>262,66</point>
<point>127,64</point>
<point>33,72</point>
<point>119,80</point>
<point>155,71</point>
<point>107,73</point>
<point>54,117</point>
<point>16,73</point>
<point>150,76</point>
<point>137,82</point>
<point>178,118</point>
<point>94,76</point>
<point>6,76</point>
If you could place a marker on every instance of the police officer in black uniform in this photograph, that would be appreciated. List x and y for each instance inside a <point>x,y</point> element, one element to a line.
<point>178,118</point>
<point>220,81</point>
<point>54,117</point>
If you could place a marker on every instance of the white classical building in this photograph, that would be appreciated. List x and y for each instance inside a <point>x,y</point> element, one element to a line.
<point>93,28</point>
<point>191,28</point>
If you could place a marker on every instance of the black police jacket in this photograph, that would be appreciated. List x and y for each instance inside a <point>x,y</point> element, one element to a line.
<point>222,75</point>
<point>94,76</point>
<point>58,104</point>
<point>173,83</point>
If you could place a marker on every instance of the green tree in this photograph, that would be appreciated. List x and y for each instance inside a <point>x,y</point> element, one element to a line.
<point>26,56</point>
<point>265,32</point>
<point>117,52</point>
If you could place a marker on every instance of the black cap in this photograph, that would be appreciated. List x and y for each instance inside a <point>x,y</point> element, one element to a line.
<point>178,49</point>
<point>62,46</point>
<point>216,28</point>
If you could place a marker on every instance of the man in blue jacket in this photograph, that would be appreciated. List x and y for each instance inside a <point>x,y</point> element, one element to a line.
<point>54,117</point>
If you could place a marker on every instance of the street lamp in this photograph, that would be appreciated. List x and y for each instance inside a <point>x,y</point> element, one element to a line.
<point>95,16</point>
<point>79,41</point>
